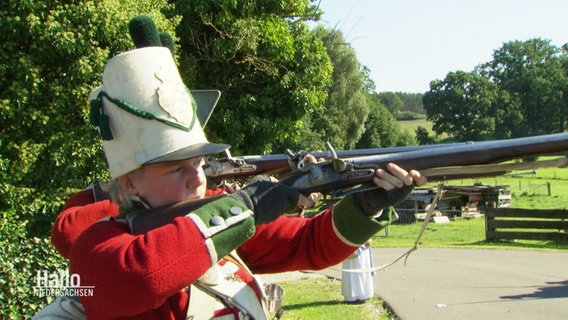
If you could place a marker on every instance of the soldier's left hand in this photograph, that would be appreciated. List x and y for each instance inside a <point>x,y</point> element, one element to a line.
<point>394,185</point>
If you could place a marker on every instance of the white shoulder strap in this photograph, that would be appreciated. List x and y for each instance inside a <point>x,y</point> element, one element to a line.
<point>63,308</point>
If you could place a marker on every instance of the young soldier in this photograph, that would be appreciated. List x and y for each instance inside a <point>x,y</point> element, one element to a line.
<point>200,265</point>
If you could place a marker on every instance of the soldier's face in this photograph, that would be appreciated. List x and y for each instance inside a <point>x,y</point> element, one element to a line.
<point>168,182</point>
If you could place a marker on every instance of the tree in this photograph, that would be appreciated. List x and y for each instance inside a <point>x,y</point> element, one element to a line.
<point>532,78</point>
<point>340,121</point>
<point>53,53</point>
<point>508,116</point>
<point>521,92</point>
<point>564,62</point>
<point>461,105</point>
<point>369,87</point>
<point>381,128</point>
<point>270,68</point>
<point>391,101</point>
<point>423,136</point>
<point>53,56</point>
<point>412,102</point>
<point>403,105</point>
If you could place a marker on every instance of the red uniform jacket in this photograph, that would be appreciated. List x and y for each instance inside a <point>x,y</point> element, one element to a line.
<point>144,276</point>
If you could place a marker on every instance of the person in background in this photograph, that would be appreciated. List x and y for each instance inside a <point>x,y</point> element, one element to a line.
<point>203,263</point>
<point>357,275</point>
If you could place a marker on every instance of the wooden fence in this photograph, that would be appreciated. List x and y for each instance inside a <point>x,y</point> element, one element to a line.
<point>528,224</point>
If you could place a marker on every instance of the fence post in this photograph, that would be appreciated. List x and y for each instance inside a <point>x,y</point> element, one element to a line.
<point>489,229</point>
<point>548,187</point>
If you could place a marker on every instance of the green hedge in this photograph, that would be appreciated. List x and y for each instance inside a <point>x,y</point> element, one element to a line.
<point>21,257</point>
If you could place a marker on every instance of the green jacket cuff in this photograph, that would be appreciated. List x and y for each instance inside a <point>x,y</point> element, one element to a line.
<point>353,226</point>
<point>225,224</point>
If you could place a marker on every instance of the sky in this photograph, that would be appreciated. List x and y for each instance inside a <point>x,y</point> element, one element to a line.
<point>408,43</point>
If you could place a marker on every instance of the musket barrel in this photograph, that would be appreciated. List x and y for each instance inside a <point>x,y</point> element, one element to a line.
<point>472,154</point>
<point>484,153</point>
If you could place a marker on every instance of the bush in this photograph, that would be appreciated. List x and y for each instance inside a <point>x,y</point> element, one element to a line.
<point>406,115</point>
<point>21,257</point>
<point>52,57</point>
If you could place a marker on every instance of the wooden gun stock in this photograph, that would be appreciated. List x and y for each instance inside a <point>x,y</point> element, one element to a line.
<point>145,220</point>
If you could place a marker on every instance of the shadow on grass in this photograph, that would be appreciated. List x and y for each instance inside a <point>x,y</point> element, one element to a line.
<point>313,304</point>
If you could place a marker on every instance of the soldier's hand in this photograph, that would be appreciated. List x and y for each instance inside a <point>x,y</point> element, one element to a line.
<point>269,199</point>
<point>394,185</point>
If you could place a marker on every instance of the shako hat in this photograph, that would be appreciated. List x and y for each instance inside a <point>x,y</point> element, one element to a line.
<point>144,112</point>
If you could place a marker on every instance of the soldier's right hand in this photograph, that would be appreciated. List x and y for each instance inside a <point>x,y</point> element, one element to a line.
<point>269,199</point>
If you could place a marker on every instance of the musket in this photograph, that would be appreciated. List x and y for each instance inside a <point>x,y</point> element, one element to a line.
<point>241,167</point>
<point>452,162</point>
<point>353,174</point>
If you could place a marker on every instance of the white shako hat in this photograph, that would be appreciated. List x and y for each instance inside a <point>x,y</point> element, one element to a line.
<point>145,114</point>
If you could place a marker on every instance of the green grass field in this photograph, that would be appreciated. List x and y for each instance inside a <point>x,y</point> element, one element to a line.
<point>411,125</point>
<point>545,189</point>
<point>320,298</point>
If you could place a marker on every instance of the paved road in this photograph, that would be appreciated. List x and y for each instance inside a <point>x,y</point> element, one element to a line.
<point>468,284</point>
